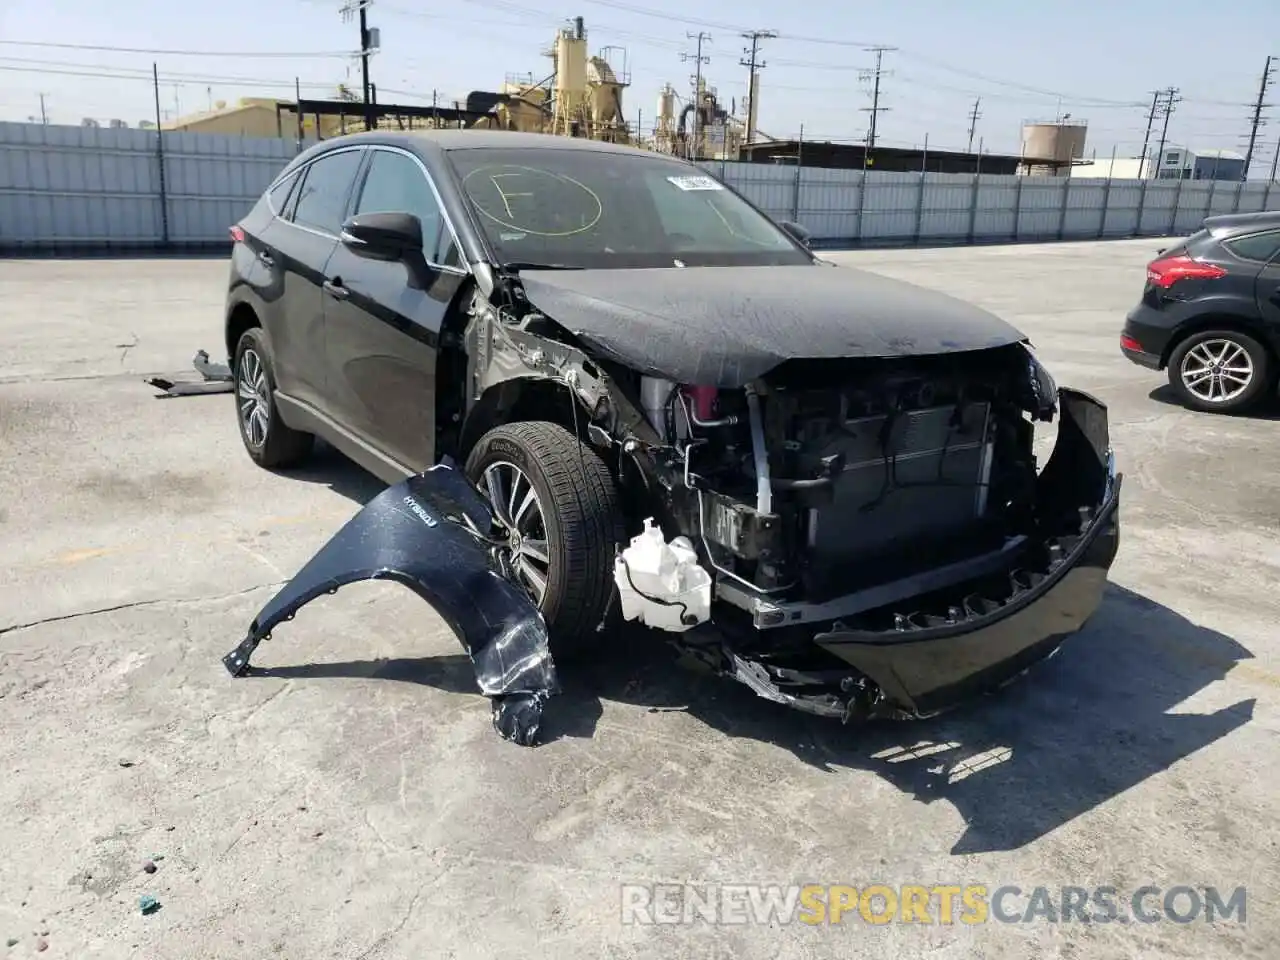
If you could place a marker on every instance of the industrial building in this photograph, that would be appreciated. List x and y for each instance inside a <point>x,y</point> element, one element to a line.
<point>1112,168</point>
<point>1181,163</point>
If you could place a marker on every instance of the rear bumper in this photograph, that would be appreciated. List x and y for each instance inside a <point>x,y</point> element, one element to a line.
<point>1143,359</point>
<point>1145,336</point>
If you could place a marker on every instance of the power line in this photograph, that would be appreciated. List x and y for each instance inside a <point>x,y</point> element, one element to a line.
<point>1256,120</point>
<point>875,109</point>
<point>180,53</point>
<point>755,36</point>
<point>974,115</point>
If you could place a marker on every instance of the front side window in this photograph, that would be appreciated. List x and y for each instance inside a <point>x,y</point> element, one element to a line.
<point>597,209</point>
<point>322,198</point>
<point>396,184</point>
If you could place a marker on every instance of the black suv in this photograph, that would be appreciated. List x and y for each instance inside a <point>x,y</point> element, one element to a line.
<point>1210,313</point>
<point>551,347</point>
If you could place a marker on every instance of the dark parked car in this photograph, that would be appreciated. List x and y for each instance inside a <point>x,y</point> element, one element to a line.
<point>603,387</point>
<point>1210,313</point>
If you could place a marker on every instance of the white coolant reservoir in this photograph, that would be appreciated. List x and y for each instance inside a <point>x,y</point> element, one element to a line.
<point>661,584</point>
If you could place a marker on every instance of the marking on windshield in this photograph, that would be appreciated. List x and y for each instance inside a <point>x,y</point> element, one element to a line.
<point>695,183</point>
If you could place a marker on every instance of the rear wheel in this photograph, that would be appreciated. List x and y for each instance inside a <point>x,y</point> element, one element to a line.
<point>1223,371</point>
<point>560,503</point>
<point>268,440</point>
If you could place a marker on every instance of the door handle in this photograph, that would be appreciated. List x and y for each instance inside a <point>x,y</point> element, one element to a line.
<point>336,290</point>
<point>266,259</point>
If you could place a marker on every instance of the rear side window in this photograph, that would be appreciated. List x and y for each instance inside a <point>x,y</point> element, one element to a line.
<point>322,198</point>
<point>1261,246</point>
<point>396,184</point>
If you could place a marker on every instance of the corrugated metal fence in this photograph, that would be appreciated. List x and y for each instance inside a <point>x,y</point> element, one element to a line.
<point>78,187</point>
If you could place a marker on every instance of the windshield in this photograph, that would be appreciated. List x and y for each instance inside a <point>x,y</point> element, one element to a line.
<point>592,209</point>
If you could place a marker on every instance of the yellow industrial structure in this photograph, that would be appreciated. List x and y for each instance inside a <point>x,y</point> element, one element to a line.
<point>581,98</point>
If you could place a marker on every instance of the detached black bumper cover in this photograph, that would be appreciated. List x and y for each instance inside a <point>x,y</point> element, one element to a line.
<point>434,534</point>
<point>980,637</point>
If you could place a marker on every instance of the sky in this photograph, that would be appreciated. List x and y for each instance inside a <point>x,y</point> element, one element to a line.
<point>1098,61</point>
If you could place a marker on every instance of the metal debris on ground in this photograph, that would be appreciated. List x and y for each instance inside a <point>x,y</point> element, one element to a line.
<point>216,378</point>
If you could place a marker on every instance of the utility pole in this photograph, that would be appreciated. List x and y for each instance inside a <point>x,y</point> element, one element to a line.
<point>1256,120</point>
<point>1146,140</point>
<point>875,109</point>
<point>44,116</point>
<point>699,60</point>
<point>974,116</point>
<point>1166,107</point>
<point>750,62</point>
<point>368,44</point>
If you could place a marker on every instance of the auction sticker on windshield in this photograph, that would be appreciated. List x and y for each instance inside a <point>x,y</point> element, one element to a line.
<point>695,183</point>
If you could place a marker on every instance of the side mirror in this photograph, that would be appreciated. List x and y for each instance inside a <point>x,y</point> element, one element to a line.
<point>383,236</point>
<point>798,233</point>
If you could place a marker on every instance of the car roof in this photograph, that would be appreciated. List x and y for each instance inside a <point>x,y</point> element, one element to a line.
<point>1235,224</point>
<point>450,140</point>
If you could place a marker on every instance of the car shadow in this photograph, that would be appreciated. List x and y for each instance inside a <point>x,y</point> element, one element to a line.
<point>1268,409</point>
<point>1075,732</point>
<point>331,468</point>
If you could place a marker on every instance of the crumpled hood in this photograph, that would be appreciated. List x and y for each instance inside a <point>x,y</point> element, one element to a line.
<point>726,326</point>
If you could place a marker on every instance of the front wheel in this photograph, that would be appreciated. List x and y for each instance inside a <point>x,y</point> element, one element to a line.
<point>560,505</point>
<point>1223,371</point>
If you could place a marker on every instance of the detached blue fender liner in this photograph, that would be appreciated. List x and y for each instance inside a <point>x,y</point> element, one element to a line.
<point>435,534</point>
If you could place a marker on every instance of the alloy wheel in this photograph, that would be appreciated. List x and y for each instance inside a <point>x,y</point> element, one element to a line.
<point>251,398</point>
<point>515,502</point>
<point>1217,371</point>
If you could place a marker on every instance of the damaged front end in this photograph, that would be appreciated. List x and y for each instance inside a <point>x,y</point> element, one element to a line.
<point>910,643</point>
<point>880,539</point>
<point>435,534</point>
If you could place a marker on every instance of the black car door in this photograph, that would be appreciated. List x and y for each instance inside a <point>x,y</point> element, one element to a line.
<point>1268,289</point>
<point>302,241</point>
<point>381,329</point>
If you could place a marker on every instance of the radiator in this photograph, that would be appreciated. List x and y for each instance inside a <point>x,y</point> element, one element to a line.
<point>941,459</point>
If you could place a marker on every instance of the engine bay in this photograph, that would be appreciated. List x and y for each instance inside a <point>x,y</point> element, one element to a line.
<point>826,479</point>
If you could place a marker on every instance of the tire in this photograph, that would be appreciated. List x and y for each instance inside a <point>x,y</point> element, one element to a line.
<point>1243,356</point>
<point>276,445</point>
<point>581,520</point>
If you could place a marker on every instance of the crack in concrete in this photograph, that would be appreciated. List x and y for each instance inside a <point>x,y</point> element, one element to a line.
<point>137,603</point>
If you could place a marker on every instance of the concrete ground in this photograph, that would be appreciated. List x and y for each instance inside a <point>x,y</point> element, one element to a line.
<point>359,805</point>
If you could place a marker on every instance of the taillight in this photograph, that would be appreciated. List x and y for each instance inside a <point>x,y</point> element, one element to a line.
<point>237,234</point>
<point>1167,271</point>
<point>1128,343</point>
